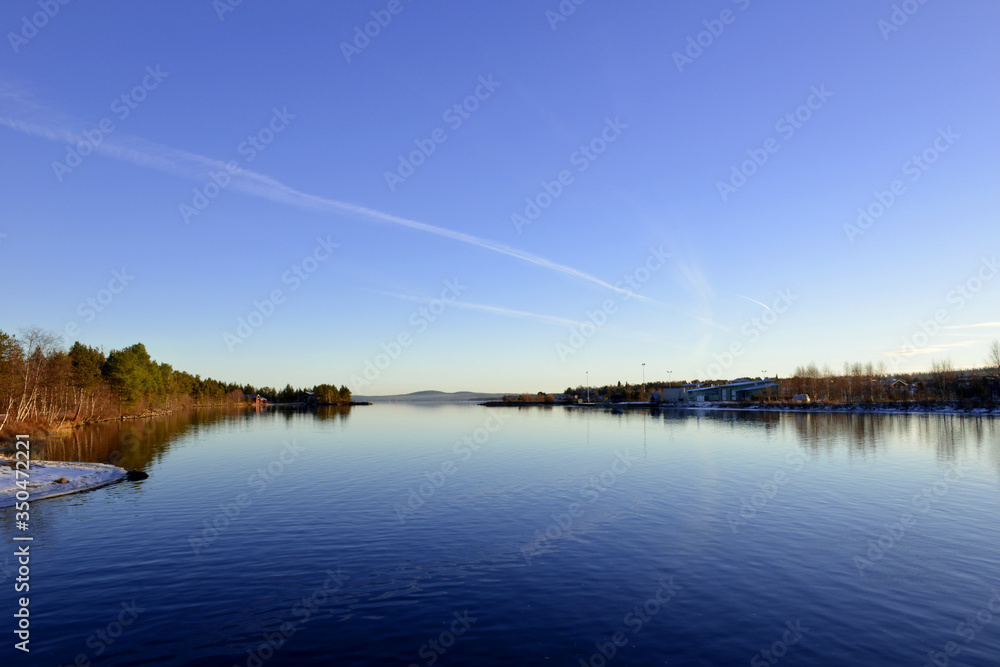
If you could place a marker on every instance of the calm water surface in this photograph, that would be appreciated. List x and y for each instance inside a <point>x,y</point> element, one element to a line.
<point>408,535</point>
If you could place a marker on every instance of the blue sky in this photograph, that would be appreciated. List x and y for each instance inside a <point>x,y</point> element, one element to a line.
<point>697,169</point>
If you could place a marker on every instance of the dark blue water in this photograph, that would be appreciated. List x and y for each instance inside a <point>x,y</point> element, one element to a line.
<point>441,535</point>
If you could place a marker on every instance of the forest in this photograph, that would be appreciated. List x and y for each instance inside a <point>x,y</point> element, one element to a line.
<point>45,386</point>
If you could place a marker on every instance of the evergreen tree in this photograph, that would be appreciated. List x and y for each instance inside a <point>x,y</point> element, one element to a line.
<point>128,371</point>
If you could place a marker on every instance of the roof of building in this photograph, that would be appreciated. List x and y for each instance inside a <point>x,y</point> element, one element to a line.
<point>739,384</point>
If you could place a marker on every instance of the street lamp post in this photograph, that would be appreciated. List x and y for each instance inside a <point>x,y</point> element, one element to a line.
<point>588,386</point>
<point>644,380</point>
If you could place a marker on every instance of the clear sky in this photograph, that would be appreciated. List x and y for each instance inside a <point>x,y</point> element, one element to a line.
<point>588,187</point>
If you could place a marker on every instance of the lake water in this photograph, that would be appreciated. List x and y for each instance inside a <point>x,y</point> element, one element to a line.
<point>395,534</point>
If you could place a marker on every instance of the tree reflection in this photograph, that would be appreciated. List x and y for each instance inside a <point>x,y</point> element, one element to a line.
<point>135,443</point>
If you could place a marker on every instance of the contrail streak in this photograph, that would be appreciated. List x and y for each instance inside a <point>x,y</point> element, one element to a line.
<point>497,310</point>
<point>140,152</point>
<point>749,299</point>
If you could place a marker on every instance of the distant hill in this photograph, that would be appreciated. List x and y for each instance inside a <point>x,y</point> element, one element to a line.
<point>431,396</point>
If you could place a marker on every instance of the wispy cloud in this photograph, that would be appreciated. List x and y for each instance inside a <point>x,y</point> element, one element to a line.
<point>138,151</point>
<point>694,280</point>
<point>980,325</point>
<point>495,310</point>
<point>932,349</point>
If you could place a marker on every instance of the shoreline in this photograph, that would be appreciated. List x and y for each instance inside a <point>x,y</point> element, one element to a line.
<point>854,408</point>
<point>66,427</point>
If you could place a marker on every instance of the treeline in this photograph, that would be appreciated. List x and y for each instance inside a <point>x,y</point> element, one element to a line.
<point>620,392</point>
<point>868,383</point>
<point>324,393</point>
<point>540,397</point>
<point>328,393</point>
<point>860,382</point>
<point>43,385</point>
<point>855,383</point>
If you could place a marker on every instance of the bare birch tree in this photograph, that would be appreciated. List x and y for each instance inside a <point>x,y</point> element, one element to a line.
<point>993,356</point>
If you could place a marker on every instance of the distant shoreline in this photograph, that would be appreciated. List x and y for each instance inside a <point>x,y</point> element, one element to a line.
<point>935,409</point>
<point>302,404</point>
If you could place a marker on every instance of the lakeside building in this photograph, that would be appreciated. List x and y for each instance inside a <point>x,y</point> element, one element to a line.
<point>737,390</point>
<point>673,394</point>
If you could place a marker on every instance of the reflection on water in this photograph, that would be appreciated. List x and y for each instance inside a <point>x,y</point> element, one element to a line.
<point>951,436</point>
<point>862,433</point>
<point>760,517</point>
<point>135,443</point>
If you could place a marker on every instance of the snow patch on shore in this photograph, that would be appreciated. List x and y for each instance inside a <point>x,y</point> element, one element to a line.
<point>43,475</point>
<point>839,409</point>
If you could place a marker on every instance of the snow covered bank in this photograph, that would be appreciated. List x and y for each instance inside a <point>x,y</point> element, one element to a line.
<point>855,408</point>
<point>841,409</point>
<point>43,476</point>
